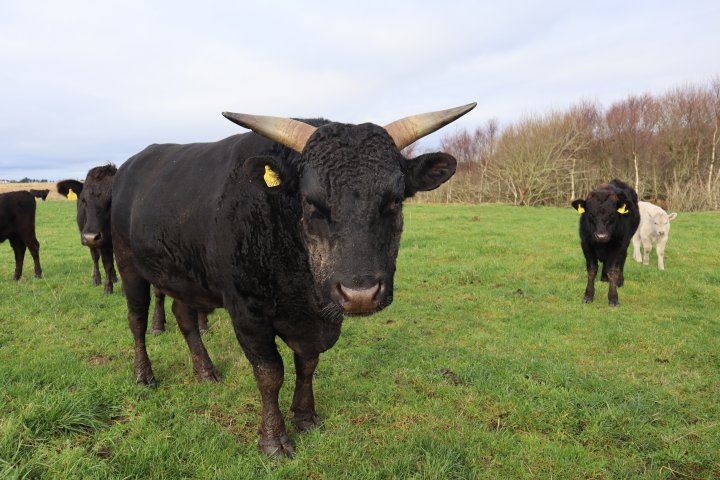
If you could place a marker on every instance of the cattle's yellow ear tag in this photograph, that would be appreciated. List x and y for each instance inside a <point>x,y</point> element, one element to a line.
<point>580,209</point>
<point>71,195</point>
<point>271,178</point>
<point>622,210</point>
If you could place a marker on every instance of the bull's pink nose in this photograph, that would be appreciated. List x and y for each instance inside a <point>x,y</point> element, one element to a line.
<point>363,300</point>
<point>602,237</point>
<point>90,239</point>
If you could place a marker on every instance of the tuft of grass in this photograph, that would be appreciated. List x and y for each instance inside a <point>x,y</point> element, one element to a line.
<point>487,365</point>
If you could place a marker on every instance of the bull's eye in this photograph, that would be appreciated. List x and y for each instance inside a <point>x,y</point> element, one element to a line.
<point>391,206</point>
<point>317,209</point>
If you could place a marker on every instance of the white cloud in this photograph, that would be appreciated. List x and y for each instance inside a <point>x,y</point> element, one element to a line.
<point>85,82</point>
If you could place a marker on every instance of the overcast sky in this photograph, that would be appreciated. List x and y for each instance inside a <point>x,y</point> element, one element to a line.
<point>83,83</point>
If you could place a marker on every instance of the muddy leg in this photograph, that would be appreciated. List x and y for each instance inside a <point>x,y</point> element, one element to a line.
<point>187,321</point>
<point>613,277</point>
<point>592,268</point>
<point>109,267</point>
<point>158,322</point>
<point>303,406</point>
<point>202,318</point>
<point>258,342</point>
<point>274,439</point>
<point>137,295</point>
<point>95,254</point>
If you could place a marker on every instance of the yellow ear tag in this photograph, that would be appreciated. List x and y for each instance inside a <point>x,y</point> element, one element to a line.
<point>71,195</point>
<point>622,210</point>
<point>271,178</point>
<point>580,209</point>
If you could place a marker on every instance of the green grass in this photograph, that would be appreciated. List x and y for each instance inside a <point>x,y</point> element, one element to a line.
<point>488,365</point>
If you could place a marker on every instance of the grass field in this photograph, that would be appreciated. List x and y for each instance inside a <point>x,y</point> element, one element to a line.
<point>488,365</point>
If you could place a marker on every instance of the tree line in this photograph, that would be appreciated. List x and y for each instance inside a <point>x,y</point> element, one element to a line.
<point>665,146</point>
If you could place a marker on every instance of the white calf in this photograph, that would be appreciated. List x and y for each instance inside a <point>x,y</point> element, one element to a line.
<point>654,228</point>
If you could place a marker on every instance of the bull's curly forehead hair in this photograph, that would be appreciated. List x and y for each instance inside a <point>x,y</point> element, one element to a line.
<point>98,173</point>
<point>337,142</point>
<point>602,195</point>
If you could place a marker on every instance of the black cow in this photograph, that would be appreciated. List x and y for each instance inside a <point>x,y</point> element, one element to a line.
<point>290,229</point>
<point>93,219</point>
<point>40,193</point>
<point>17,224</point>
<point>609,217</point>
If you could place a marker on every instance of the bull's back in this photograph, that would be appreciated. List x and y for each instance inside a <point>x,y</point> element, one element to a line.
<point>163,203</point>
<point>17,212</point>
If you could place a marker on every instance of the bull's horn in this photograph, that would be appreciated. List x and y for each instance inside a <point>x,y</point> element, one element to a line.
<point>410,129</point>
<point>291,133</point>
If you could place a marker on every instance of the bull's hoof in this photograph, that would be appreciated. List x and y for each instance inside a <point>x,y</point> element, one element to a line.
<point>308,421</point>
<point>16,277</point>
<point>157,330</point>
<point>108,291</point>
<point>614,303</point>
<point>96,282</point>
<point>203,327</point>
<point>277,447</point>
<point>588,299</point>
<point>146,378</point>
<point>38,275</point>
<point>209,374</point>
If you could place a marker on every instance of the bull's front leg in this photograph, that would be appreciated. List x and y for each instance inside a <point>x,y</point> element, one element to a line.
<point>257,339</point>
<point>647,248</point>
<point>274,439</point>
<point>660,250</point>
<point>614,278</point>
<point>95,254</point>
<point>303,406</point>
<point>592,269</point>
<point>109,267</point>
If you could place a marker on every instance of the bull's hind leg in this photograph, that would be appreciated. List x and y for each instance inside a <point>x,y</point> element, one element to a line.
<point>19,248</point>
<point>34,246</point>
<point>158,323</point>
<point>303,406</point>
<point>202,318</point>
<point>95,254</point>
<point>137,295</point>
<point>187,319</point>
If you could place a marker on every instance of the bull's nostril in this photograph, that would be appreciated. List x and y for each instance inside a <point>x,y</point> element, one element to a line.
<point>359,300</point>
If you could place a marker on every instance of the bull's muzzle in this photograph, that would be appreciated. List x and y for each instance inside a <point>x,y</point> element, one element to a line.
<point>92,239</point>
<point>359,301</point>
<point>602,237</point>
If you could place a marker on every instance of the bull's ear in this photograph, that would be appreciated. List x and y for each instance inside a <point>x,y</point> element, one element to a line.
<point>579,205</point>
<point>429,171</point>
<point>267,173</point>
<point>64,187</point>
<point>672,217</point>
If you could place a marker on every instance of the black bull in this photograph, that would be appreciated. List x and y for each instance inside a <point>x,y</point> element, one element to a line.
<point>290,229</point>
<point>609,218</point>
